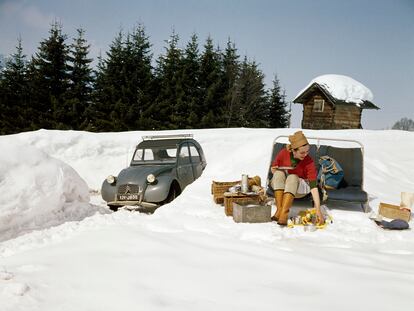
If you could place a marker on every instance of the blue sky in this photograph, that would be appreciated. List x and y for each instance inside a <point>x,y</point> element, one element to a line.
<point>370,41</point>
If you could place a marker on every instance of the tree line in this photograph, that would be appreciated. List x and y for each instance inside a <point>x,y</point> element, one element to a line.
<point>128,89</point>
<point>404,124</point>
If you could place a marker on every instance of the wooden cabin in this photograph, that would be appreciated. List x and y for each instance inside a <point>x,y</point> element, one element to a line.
<point>328,103</point>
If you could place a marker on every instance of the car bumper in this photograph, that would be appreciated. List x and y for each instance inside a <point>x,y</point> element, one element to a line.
<point>135,205</point>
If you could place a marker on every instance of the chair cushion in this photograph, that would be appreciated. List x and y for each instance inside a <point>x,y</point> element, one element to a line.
<point>350,194</point>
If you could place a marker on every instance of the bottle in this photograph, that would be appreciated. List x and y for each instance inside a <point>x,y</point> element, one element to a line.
<point>244,183</point>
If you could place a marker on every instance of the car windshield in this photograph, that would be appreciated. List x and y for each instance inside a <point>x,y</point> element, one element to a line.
<point>155,154</point>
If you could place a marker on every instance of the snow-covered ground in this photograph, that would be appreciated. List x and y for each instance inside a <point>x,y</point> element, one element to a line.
<point>61,249</point>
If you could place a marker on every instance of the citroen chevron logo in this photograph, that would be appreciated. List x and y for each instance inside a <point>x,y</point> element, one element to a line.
<point>127,190</point>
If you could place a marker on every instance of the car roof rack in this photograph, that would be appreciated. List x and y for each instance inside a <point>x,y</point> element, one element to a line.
<point>176,136</point>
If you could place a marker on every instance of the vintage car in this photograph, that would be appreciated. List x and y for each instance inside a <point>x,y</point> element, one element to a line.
<point>161,167</point>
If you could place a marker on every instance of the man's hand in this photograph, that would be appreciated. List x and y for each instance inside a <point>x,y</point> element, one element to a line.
<point>273,169</point>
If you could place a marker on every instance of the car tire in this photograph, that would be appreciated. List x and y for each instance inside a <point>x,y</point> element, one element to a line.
<point>113,208</point>
<point>172,194</point>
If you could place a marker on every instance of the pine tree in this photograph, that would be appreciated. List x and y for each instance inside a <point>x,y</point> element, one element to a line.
<point>2,63</point>
<point>278,114</point>
<point>96,112</point>
<point>191,82</point>
<point>124,85</point>
<point>15,114</point>
<point>169,106</point>
<point>80,82</point>
<point>138,78</point>
<point>104,113</point>
<point>251,96</point>
<point>231,69</point>
<point>49,79</point>
<point>211,95</point>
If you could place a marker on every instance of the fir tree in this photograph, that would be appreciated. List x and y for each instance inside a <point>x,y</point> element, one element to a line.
<point>231,69</point>
<point>95,112</point>
<point>278,114</point>
<point>210,78</point>
<point>138,78</point>
<point>191,82</point>
<point>2,62</point>
<point>49,79</point>
<point>170,107</point>
<point>124,84</point>
<point>105,111</point>
<point>80,82</point>
<point>251,96</point>
<point>15,111</point>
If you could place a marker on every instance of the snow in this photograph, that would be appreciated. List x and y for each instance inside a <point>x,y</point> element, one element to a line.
<point>37,191</point>
<point>342,88</point>
<point>188,255</point>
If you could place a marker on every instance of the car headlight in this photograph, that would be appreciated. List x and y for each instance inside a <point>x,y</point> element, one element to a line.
<point>151,178</point>
<point>111,179</point>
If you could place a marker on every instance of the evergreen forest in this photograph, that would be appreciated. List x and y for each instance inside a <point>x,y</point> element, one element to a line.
<point>197,85</point>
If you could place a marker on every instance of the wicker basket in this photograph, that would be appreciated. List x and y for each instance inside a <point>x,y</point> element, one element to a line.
<point>219,187</point>
<point>243,199</point>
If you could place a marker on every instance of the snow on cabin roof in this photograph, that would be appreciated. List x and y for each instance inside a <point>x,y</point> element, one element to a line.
<point>341,89</point>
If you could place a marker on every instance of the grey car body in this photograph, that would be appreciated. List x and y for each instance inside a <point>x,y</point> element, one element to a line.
<point>160,169</point>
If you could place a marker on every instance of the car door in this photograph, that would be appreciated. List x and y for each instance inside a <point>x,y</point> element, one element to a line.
<point>184,166</point>
<point>196,161</point>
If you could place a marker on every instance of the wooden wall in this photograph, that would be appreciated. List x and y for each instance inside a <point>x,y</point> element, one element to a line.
<point>347,117</point>
<point>332,117</point>
<point>317,120</point>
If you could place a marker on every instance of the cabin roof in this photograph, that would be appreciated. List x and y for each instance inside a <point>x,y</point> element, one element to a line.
<point>340,90</point>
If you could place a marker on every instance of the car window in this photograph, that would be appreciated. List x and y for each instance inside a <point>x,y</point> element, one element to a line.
<point>195,156</point>
<point>184,156</point>
<point>156,154</point>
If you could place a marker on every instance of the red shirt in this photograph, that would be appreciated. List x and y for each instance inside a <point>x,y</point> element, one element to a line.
<point>305,168</point>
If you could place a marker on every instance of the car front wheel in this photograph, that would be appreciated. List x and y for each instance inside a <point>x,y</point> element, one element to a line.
<point>113,208</point>
<point>172,194</point>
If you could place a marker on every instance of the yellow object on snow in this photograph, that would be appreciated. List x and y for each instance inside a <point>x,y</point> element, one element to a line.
<point>308,217</point>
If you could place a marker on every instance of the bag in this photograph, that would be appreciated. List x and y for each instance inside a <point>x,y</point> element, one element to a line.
<point>330,173</point>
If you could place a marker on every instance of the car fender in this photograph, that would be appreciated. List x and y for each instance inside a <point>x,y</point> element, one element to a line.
<point>108,191</point>
<point>158,191</point>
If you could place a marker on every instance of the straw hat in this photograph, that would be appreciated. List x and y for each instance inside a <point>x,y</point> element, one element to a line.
<point>297,140</point>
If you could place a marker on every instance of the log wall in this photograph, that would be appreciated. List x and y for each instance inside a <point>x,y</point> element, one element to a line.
<point>314,119</point>
<point>345,116</point>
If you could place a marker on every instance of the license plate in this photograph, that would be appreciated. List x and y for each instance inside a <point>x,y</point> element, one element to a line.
<point>128,197</point>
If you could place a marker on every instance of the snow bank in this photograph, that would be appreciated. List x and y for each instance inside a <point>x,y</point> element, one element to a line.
<point>342,88</point>
<point>188,255</point>
<point>37,191</point>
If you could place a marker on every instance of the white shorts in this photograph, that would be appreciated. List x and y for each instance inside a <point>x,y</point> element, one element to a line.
<point>303,187</point>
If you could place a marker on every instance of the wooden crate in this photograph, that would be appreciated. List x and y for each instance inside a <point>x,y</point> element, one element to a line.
<point>394,211</point>
<point>219,187</point>
<point>251,213</point>
<point>231,198</point>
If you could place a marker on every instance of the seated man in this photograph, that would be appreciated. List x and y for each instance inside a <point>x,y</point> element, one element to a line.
<point>294,176</point>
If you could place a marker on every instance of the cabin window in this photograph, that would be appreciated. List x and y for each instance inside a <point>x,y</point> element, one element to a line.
<point>318,105</point>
